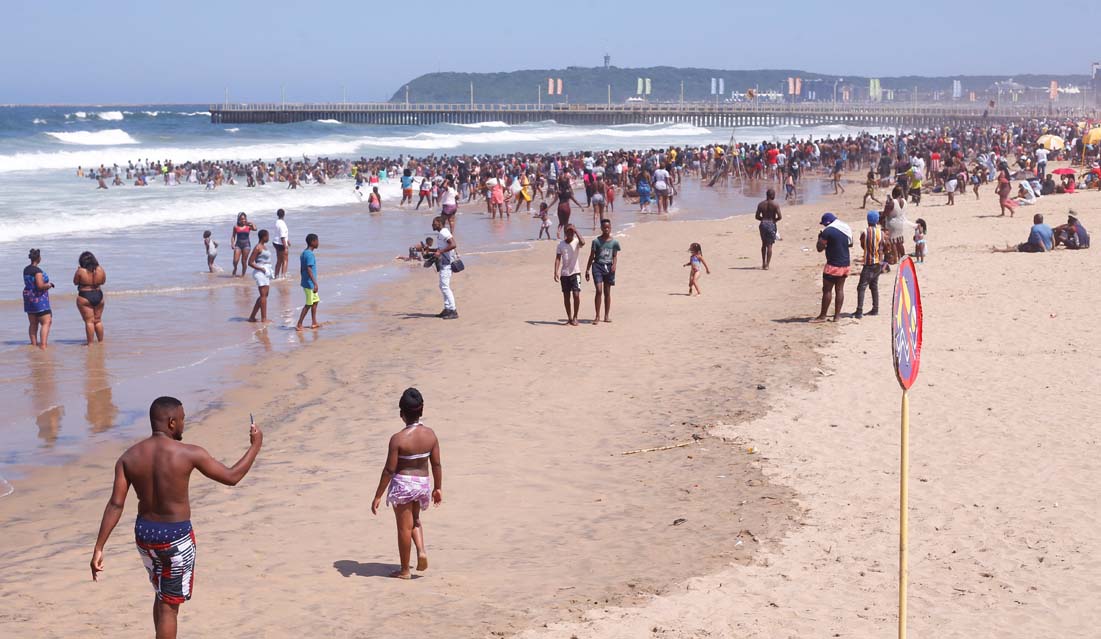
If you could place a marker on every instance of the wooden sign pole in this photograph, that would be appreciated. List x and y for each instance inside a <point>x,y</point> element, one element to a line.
<point>906,332</point>
<point>903,532</point>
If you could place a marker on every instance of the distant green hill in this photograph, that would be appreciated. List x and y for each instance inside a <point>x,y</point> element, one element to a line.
<point>591,85</point>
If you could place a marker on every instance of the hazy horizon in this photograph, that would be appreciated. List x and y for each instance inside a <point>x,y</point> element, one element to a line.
<point>138,53</point>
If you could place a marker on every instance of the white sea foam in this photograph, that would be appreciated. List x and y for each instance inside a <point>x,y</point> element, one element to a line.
<point>39,121</point>
<point>118,145</point>
<point>541,136</point>
<point>110,116</point>
<point>152,114</point>
<point>484,125</point>
<point>206,113</point>
<point>232,130</point>
<point>108,137</point>
<point>122,208</point>
<point>329,121</point>
<point>79,114</point>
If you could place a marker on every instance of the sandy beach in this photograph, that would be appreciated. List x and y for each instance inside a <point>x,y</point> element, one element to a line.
<point>778,519</point>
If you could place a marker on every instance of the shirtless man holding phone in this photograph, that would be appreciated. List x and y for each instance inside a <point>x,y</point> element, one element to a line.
<point>159,468</point>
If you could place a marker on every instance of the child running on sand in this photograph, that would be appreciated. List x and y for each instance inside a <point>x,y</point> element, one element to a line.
<point>211,250</point>
<point>405,481</point>
<point>920,230</point>
<point>544,221</point>
<point>870,193</point>
<point>697,262</point>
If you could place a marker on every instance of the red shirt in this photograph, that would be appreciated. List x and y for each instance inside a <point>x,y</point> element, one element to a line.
<point>772,153</point>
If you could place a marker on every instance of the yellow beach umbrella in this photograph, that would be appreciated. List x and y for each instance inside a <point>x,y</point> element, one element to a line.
<point>1051,142</point>
<point>1093,137</point>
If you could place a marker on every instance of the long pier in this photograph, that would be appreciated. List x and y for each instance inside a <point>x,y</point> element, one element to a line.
<point>737,114</point>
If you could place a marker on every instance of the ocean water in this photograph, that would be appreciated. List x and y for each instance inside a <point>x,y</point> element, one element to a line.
<point>172,328</point>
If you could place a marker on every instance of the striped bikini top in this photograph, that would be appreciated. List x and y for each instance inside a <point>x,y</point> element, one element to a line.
<point>873,241</point>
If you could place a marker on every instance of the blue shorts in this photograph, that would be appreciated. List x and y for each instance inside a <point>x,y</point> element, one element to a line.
<point>603,274</point>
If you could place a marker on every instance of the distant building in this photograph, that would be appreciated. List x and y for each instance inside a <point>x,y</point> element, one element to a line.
<point>607,61</point>
<point>1095,82</point>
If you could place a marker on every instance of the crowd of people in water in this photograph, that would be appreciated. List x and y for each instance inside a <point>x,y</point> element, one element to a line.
<point>902,168</point>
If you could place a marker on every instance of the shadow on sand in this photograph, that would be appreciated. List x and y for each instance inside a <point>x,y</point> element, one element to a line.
<point>350,568</point>
<point>802,319</point>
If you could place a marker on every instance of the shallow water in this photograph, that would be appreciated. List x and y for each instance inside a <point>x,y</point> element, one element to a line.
<point>174,329</point>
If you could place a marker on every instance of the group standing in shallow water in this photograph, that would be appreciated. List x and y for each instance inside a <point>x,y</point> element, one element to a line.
<point>88,279</point>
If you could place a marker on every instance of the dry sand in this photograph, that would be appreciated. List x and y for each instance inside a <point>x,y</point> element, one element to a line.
<point>547,530</point>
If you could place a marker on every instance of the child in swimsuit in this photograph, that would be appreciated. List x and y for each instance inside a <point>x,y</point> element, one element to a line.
<point>697,263</point>
<point>920,231</point>
<point>544,221</point>
<point>211,250</point>
<point>405,481</point>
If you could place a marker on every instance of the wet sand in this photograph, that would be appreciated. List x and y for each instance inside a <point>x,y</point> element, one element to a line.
<point>174,327</point>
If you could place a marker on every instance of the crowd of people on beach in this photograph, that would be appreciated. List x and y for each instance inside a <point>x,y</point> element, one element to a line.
<point>907,168</point>
<point>902,168</point>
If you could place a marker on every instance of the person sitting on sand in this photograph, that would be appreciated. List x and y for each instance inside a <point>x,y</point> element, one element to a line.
<point>1069,184</point>
<point>405,481</point>
<point>417,251</point>
<point>1072,234</point>
<point>1041,239</point>
<point>1025,195</point>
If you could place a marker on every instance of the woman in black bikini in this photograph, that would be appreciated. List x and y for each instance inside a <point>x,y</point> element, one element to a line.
<point>88,278</point>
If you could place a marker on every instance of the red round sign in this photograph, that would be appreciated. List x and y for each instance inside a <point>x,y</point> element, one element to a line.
<point>906,324</point>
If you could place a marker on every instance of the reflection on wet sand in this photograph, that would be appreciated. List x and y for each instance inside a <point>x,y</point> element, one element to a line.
<point>101,411</point>
<point>42,374</point>
<point>264,339</point>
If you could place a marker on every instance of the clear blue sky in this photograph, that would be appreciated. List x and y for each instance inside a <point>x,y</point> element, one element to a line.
<point>124,51</point>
